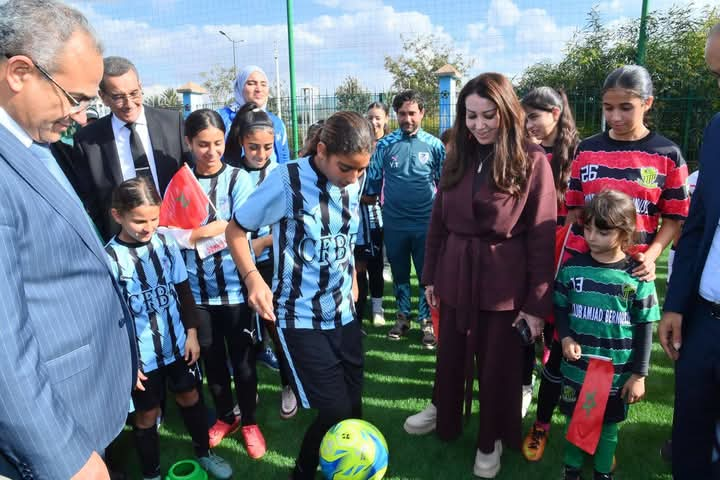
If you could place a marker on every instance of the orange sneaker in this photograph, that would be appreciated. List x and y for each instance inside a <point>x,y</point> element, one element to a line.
<point>221,430</point>
<point>254,441</point>
<point>534,444</point>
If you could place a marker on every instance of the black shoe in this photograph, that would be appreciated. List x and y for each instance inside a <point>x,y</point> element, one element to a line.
<point>666,451</point>
<point>602,476</point>
<point>572,473</point>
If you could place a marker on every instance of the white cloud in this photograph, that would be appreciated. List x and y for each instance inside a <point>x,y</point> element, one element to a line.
<point>503,13</point>
<point>348,39</point>
<point>351,5</point>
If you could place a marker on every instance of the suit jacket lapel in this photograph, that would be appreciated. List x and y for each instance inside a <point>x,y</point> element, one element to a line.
<point>109,151</point>
<point>159,147</point>
<point>41,180</point>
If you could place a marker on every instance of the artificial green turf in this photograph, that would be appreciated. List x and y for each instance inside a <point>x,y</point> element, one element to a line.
<point>398,383</point>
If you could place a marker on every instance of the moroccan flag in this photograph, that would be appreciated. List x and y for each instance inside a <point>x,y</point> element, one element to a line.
<point>185,204</point>
<point>587,420</point>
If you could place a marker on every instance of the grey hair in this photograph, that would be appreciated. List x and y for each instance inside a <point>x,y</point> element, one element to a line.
<point>40,29</point>
<point>632,78</point>
<point>115,67</point>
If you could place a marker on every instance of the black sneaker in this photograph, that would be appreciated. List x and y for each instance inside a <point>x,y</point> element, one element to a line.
<point>602,476</point>
<point>401,327</point>
<point>571,473</point>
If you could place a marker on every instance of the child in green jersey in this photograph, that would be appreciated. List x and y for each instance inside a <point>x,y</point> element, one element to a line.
<point>602,310</point>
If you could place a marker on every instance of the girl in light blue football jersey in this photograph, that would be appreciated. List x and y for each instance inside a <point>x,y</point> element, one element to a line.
<point>250,147</point>
<point>151,273</point>
<point>228,329</point>
<point>312,207</point>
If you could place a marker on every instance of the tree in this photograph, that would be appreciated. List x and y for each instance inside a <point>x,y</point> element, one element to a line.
<point>152,100</point>
<point>169,98</point>
<point>685,94</point>
<point>351,95</point>
<point>415,68</point>
<point>219,82</point>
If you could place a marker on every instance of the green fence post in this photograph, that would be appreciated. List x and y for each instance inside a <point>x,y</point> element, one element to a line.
<point>686,130</point>
<point>291,55</point>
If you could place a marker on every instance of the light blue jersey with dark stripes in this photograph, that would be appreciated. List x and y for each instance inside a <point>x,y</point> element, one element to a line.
<point>406,169</point>
<point>147,273</point>
<point>314,226</point>
<point>257,176</point>
<point>215,280</point>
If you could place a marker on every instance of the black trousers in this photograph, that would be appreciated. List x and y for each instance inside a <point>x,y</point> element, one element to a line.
<point>327,375</point>
<point>697,398</point>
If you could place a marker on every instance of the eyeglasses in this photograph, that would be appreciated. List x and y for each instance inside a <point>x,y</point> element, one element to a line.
<point>119,99</point>
<point>77,106</point>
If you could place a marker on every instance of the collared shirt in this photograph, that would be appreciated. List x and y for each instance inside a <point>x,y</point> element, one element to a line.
<point>709,283</point>
<point>8,122</point>
<point>41,151</point>
<point>122,142</point>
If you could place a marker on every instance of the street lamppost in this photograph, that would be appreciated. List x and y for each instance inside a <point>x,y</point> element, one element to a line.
<point>233,44</point>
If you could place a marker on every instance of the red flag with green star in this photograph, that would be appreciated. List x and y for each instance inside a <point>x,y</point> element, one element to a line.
<point>587,420</point>
<point>185,204</point>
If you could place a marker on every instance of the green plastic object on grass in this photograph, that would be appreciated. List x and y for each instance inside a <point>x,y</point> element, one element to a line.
<point>186,470</point>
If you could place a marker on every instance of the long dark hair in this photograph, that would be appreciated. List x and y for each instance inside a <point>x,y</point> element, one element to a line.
<point>567,139</point>
<point>202,119</point>
<point>384,108</point>
<point>634,79</point>
<point>133,193</point>
<point>510,163</point>
<point>343,133</point>
<point>249,118</point>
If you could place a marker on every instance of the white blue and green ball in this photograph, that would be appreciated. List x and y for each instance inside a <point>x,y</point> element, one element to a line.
<point>353,450</point>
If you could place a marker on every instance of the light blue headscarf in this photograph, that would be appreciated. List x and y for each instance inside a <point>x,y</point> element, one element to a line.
<point>240,83</point>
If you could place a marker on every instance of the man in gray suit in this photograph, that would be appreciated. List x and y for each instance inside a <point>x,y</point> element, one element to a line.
<point>68,350</point>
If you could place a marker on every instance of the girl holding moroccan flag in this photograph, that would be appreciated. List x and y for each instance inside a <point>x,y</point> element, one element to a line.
<point>602,310</point>
<point>227,330</point>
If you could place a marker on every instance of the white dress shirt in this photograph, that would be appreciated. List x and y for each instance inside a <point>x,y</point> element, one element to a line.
<point>710,280</point>
<point>122,142</point>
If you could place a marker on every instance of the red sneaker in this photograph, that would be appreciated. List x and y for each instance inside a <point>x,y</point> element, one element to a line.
<point>254,441</point>
<point>221,430</point>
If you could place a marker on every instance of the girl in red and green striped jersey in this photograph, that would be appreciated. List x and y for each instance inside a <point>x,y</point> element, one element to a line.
<point>637,161</point>
<point>550,121</point>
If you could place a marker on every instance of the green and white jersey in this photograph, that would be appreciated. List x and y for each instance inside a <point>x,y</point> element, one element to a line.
<point>601,304</point>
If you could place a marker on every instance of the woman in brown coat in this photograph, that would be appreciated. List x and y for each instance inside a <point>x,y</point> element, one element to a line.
<point>489,267</point>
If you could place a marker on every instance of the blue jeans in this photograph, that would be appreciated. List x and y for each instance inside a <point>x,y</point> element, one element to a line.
<point>401,246</point>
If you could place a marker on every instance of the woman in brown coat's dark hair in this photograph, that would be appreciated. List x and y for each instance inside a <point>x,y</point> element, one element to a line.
<point>489,267</point>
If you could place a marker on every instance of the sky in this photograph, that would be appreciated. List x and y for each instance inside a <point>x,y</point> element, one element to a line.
<point>173,41</point>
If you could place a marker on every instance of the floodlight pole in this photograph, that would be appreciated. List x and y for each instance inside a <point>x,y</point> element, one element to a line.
<point>291,59</point>
<point>234,42</point>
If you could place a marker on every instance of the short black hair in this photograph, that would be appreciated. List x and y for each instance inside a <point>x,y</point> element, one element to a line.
<point>408,96</point>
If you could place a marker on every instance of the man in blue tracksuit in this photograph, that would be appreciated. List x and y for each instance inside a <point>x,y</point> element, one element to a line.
<point>405,170</point>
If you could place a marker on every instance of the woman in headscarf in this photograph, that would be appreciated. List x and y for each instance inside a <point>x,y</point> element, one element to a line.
<point>251,85</point>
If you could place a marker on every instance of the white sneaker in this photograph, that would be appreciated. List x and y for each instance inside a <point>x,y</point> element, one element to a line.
<point>487,465</point>
<point>422,422</point>
<point>527,392</point>
<point>288,403</point>
<point>378,318</point>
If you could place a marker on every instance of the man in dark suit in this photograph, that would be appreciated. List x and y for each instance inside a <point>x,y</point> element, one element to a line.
<point>68,348</point>
<point>690,327</point>
<point>134,140</point>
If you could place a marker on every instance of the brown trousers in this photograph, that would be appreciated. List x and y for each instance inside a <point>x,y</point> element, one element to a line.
<point>495,346</point>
